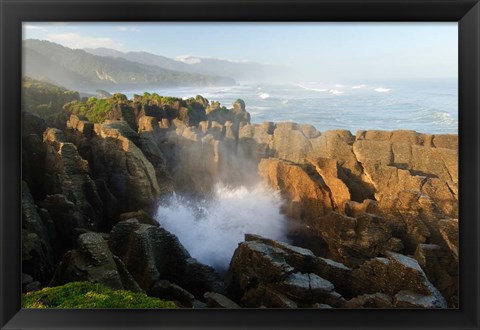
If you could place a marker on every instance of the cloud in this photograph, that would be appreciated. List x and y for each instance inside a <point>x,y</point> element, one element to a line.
<point>34,27</point>
<point>127,29</point>
<point>192,59</point>
<point>74,40</point>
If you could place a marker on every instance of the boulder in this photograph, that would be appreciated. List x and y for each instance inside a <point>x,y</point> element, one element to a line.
<point>166,290</point>
<point>376,300</point>
<point>141,216</point>
<point>269,273</point>
<point>441,268</point>
<point>449,231</point>
<point>93,262</point>
<point>153,254</point>
<point>216,300</point>
<point>353,240</point>
<point>307,261</point>
<point>394,275</point>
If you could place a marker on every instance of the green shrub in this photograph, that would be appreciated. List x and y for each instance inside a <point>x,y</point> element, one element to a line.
<point>98,110</point>
<point>90,295</point>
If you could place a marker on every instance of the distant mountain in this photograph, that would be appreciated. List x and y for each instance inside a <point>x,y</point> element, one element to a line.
<point>144,58</point>
<point>78,69</point>
<point>43,68</point>
<point>239,70</point>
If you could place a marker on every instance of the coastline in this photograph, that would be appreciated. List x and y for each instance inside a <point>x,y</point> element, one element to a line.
<point>377,201</point>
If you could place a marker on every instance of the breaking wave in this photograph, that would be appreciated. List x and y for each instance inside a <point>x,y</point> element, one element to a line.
<point>211,229</point>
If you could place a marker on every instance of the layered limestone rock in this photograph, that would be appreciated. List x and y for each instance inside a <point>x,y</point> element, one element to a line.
<point>269,273</point>
<point>353,240</point>
<point>37,251</point>
<point>152,253</point>
<point>308,197</point>
<point>67,174</point>
<point>127,166</point>
<point>359,200</point>
<point>92,261</point>
<point>117,160</point>
<point>33,154</point>
<point>415,181</point>
<point>400,277</point>
<point>441,268</point>
<point>449,231</point>
<point>169,291</point>
<point>273,274</point>
<point>216,300</point>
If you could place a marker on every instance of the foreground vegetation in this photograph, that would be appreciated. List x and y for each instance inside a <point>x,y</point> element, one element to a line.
<point>90,295</point>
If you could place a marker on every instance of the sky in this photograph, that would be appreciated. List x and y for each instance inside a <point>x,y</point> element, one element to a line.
<point>334,50</point>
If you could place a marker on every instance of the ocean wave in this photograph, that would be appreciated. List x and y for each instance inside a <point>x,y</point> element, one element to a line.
<point>443,117</point>
<point>359,86</point>
<point>256,107</point>
<point>436,116</point>
<point>222,221</point>
<point>335,91</point>
<point>312,89</point>
<point>382,90</point>
<point>264,96</point>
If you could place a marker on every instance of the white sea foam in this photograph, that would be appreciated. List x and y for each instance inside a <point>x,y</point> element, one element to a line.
<point>382,90</point>
<point>312,89</point>
<point>256,107</point>
<point>444,117</point>
<point>335,91</point>
<point>264,96</point>
<point>211,229</point>
<point>359,86</point>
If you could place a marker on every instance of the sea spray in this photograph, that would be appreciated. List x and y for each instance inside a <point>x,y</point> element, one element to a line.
<point>211,229</point>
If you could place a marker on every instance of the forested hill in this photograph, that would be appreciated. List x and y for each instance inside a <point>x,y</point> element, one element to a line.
<point>77,69</point>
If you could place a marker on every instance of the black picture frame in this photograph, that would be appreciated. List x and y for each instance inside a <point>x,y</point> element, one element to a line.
<point>14,12</point>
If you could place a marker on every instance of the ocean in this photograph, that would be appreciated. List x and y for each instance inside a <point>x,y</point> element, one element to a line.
<point>426,106</point>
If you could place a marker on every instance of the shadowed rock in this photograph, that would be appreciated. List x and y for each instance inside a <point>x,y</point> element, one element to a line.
<point>353,240</point>
<point>216,300</point>
<point>152,253</point>
<point>169,291</point>
<point>396,274</point>
<point>94,262</point>
<point>37,252</point>
<point>268,273</point>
